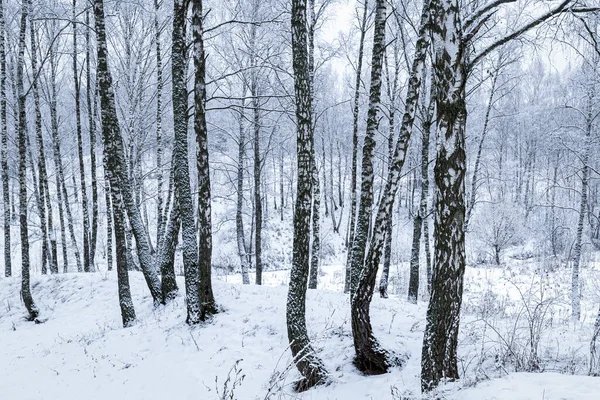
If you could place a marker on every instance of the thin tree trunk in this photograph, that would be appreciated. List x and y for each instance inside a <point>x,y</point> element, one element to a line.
<point>575,290</point>
<point>86,217</point>
<point>421,216</point>
<point>4,148</point>
<point>315,251</point>
<point>25,284</point>
<point>258,211</point>
<point>48,253</point>
<point>307,362</point>
<point>239,220</point>
<point>473,196</point>
<point>58,158</point>
<point>109,223</point>
<point>160,224</point>
<point>353,176</point>
<point>207,298</point>
<point>92,127</point>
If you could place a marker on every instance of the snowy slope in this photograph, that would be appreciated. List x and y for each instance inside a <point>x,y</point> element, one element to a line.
<point>82,352</point>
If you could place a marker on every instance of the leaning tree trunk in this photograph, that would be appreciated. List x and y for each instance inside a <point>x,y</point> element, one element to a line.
<point>307,362</point>
<point>58,159</point>
<point>25,285</point>
<point>575,290</point>
<point>120,184</point>
<point>239,220</point>
<point>207,298</point>
<point>354,173</point>
<point>92,127</point>
<point>439,358</point>
<point>86,216</point>
<point>370,356</point>
<point>4,148</point>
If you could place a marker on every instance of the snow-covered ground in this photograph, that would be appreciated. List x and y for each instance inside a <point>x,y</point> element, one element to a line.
<point>81,351</point>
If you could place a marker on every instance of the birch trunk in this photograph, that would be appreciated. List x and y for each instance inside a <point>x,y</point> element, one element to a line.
<point>207,298</point>
<point>120,184</point>
<point>439,358</point>
<point>92,130</point>
<point>239,220</point>
<point>307,362</point>
<point>4,148</point>
<point>354,172</point>
<point>25,284</point>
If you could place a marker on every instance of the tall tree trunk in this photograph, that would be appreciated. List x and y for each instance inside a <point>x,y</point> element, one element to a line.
<point>353,175</point>
<point>258,214</point>
<point>48,253</point>
<point>58,158</point>
<point>439,358</point>
<point>307,362</point>
<point>116,165</point>
<point>86,217</point>
<point>160,224</point>
<point>181,175</point>
<point>92,128</point>
<point>239,220</point>
<point>207,298</point>
<point>370,356</point>
<point>25,284</point>
<point>166,249</point>
<point>392,90</point>
<point>589,120</point>
<point>4,148</point>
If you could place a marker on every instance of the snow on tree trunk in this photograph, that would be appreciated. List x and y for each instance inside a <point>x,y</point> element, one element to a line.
<point>439,358</point>
<point>207,298</point>
<point>307,362</point>
<point>181,174</point>
<point>23,223</point>
<point>120,183</point>
<point>370,356</point>
<point>354,172</point>
<point>160,223</point>
<point>315,250</point>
